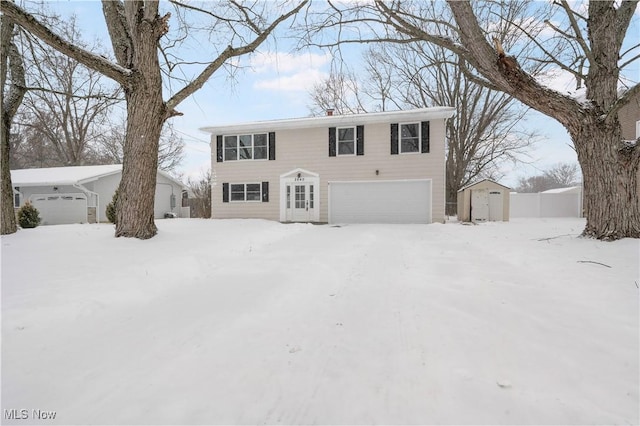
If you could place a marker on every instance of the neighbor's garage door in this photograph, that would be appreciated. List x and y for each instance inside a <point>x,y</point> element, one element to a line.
<point>399,201</point>
<point>57,209</point>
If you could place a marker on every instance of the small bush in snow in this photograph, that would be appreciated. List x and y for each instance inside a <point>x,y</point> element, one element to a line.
<point>111,208</point>
<point>28,216</point>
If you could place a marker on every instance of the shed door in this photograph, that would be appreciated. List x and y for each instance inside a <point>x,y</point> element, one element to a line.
<point>57,209</point>
<point>402,201</point>
<point>479,205</point>
<point>495,205</point>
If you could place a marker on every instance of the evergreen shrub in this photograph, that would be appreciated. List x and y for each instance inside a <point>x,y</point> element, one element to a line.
<point>28,216</point>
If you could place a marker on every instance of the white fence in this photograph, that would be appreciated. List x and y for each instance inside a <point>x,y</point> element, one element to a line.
<point>545,205</point>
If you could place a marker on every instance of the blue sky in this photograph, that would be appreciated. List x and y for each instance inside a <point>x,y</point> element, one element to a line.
<point>275,83</point>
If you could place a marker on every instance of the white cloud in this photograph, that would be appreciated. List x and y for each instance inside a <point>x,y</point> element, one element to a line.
<point>298,81</point>
<point>559,80</point>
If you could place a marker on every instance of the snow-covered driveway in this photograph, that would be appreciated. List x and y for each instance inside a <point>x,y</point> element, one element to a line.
<point>252,322</point>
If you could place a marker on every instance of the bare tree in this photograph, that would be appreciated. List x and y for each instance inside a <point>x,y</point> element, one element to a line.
<point>12,80</point>
<point>482,135</point>
<point>486,130</point>
<point>200,197</point>
<point>562,175</point>
<point>340,93</point>
<point>67,103</point>
<point>136,29</point>
<point>109,146</point>
<point>584,43</point>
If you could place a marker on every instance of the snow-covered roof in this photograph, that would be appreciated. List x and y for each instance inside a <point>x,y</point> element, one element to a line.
<point>334,120</point>
<point>62,175</point>
<point>73,175</point>
<point>571,189</point>
<point>482,180</point>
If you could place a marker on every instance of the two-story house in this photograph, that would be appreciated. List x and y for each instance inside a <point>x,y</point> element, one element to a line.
<point>384,167</point>
<point>629,116</point>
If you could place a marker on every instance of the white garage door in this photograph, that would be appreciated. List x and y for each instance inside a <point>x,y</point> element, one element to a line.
<point>57,209</point>
<point>398,201</point>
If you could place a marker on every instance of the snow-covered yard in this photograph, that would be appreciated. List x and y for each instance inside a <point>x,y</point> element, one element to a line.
<point>252,322</point>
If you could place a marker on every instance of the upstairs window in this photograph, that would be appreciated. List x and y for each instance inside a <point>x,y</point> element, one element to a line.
<point>409,137</point>
<point>246,147</point>
<point>346,141</point>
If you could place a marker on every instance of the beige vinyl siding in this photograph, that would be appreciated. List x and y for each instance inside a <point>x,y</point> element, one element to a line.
<point>309,149</point>
<point>464,199</point>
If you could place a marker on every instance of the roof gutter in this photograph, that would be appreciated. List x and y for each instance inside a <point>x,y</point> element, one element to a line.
<point>335,120</point>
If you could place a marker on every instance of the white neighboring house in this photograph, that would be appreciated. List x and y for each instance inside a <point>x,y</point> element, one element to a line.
<point>80,194</point>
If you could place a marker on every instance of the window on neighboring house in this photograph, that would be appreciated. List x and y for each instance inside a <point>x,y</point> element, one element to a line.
<point>410,137</point>
<point>346,141</point>
<point>246,147</point>
<point>16,199</point>
<point>245,192</point>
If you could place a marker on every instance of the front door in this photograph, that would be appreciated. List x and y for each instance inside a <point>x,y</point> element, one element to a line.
<point>299,196</point>
<point>301,201</point>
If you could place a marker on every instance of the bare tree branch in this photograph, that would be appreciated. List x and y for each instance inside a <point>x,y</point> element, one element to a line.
<point>228,53</point>
<point>100,64</point>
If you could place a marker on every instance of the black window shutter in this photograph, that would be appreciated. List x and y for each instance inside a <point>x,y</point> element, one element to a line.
<point>360,140</point>
<point>225,192</point>
<point>272,145</point>
<point>394,138</point>
<point>425,136</point>
<point>332,141</point>
<point>265,192</point>
<point>219,148</point>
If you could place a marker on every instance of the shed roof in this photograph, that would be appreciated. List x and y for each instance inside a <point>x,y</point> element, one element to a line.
<point>480,181</point>
<point>334,120</point>
<point>72,175</point>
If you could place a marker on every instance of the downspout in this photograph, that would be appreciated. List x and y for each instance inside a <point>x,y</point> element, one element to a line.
<point>82,188</point>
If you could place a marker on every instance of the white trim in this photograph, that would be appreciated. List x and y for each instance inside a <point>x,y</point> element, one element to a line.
<point>245,192</point>
<point>419,124</point>
<point>253,146</point>
<point>421,114</point>
<point>291,178</point>
<point>354,141</point>
<point>299,170</point>
<point>378,180</point>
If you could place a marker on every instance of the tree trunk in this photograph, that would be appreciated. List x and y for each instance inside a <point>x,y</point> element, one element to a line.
<point>146,112</point>
<point>9,225</point>
<point>135,211</point>
<point>10,63</point>
<point>610,179</point>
